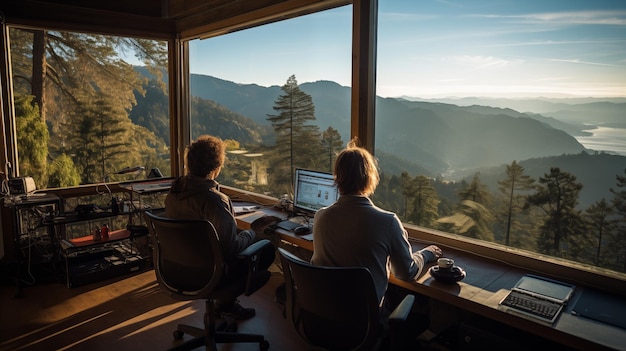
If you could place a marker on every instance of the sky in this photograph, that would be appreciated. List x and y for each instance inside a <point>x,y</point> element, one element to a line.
<point>440,48</point>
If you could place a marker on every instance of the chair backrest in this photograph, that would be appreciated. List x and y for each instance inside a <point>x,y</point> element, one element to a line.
<point>332,307</point>
<point>187,258</point>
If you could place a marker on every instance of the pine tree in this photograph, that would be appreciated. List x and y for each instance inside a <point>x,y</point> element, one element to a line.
<point>32,140</point>
<point>407,192</point>
<point>557,196</point>
<point>67,71</point>
<point>332,144</point>
<point>618,241</point>
<point>63,173</point>
<point>297,143</point>
<point>476,191</point>
<point>601,225</point>
<point>101,132</point>
<point>424,202</point>
<point>472,217</point>
<point>515,181</point>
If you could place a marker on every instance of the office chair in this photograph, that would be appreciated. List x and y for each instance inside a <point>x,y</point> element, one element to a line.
<point>336,308</point>
<point>188,264</point>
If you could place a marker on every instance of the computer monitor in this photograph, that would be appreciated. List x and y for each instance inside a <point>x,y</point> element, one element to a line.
<point>313,190</point>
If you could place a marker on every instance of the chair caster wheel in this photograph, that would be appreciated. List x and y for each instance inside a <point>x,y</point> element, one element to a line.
<point>178,334</point>
<point>264,345</point>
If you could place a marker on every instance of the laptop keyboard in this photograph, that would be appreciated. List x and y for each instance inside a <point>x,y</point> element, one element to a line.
<point>544,309</point>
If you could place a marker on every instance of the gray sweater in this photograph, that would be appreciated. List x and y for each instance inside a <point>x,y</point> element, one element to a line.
<point>355,232</point>
<point>192,197</point>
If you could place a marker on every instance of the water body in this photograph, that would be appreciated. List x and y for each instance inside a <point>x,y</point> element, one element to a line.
<point>610,140</point>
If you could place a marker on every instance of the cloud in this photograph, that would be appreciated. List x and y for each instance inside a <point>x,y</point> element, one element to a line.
<point>482,62</point>
<point>557,42</point>
<point>577,61</point>
<point>617,18</point>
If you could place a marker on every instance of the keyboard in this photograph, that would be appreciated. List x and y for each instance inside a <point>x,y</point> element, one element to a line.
<point>531,306</point>
<point>287,225</point>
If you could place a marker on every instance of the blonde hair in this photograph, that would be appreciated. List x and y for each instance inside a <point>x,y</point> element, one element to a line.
<point>356,170</point>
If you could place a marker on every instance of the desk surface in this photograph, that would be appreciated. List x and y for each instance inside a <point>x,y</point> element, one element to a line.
<point>486,283</point>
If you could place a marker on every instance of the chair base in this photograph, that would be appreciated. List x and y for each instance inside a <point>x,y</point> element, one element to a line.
<point>200,338</point>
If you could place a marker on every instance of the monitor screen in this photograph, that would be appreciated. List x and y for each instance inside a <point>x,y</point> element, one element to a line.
<point>313,190</point>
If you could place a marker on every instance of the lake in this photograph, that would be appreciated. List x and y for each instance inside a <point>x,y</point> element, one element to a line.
<point>611,140</point>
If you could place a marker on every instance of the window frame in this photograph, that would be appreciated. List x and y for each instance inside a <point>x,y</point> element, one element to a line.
<point>362,119</point>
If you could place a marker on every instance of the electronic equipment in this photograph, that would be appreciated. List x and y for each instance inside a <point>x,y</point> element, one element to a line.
<point>313,190</point>
<point>21,185</point>
<point>446,272</point>
<point>537,298</point>
<point>155,173</point>
<point>302,230</point>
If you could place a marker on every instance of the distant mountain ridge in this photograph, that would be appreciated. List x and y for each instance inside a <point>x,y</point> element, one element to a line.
<point>570,110</point>
<point>432,138</point>
<point>445,137</point>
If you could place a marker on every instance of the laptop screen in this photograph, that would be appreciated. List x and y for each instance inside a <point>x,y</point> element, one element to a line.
<point>313,190</point>
<point>546,287</point>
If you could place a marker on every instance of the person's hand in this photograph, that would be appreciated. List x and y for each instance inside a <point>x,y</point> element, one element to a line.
<point>260,224</point>
<point>435,250</point>
<point>431,253</point>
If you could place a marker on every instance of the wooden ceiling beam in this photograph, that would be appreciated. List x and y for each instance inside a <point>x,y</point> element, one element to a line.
<point>240,15</point>
<point>156,19</point>
<point>61,16</point>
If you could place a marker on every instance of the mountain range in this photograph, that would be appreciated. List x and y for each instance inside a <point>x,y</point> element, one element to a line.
<point>439,138</point>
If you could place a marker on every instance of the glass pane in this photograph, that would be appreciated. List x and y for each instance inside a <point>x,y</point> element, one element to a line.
<point>504,122</point>
<point>88,110</point>
<point>279,94</point>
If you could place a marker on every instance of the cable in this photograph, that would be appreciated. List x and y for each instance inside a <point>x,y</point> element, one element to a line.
<point>104,182</point>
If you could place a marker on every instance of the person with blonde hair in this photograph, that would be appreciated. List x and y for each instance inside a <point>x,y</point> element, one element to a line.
<point>355,232</point>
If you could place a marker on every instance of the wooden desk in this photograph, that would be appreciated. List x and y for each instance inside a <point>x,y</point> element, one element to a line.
<point>486,283</point>
<point>244,221</point>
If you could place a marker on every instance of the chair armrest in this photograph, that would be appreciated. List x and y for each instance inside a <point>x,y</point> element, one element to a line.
<point>254,249</point>
<point>401,330</point>
<point>401,312</point>
<point>251,256</point>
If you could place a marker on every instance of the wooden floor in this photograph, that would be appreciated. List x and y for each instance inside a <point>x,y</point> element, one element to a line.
<point>129,313</point>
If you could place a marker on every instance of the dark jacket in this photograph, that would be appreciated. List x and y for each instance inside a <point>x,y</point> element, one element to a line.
<point>192,197</point>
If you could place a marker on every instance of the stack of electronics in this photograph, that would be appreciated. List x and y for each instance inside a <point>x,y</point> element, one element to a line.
<point>92,264</point>
<point>312,191</point>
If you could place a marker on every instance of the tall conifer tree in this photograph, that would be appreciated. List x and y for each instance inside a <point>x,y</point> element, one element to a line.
<point>557,195</point>
<point>331,144</point>
<point>601,225</point>
<point>618,241</point>
<point>472,217</point>
<point>297,142</point>
<point>516,181</point>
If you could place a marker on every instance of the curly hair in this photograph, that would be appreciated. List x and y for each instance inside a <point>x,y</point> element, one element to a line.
<point>205,155</point>
<point>356,170</point>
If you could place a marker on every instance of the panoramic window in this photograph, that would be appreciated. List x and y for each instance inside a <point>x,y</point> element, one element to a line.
<point>504,122</point>
<point>88,107</point>
<point>279,94</point>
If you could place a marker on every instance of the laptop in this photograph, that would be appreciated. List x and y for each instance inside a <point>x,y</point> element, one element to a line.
<point>537,298</point>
